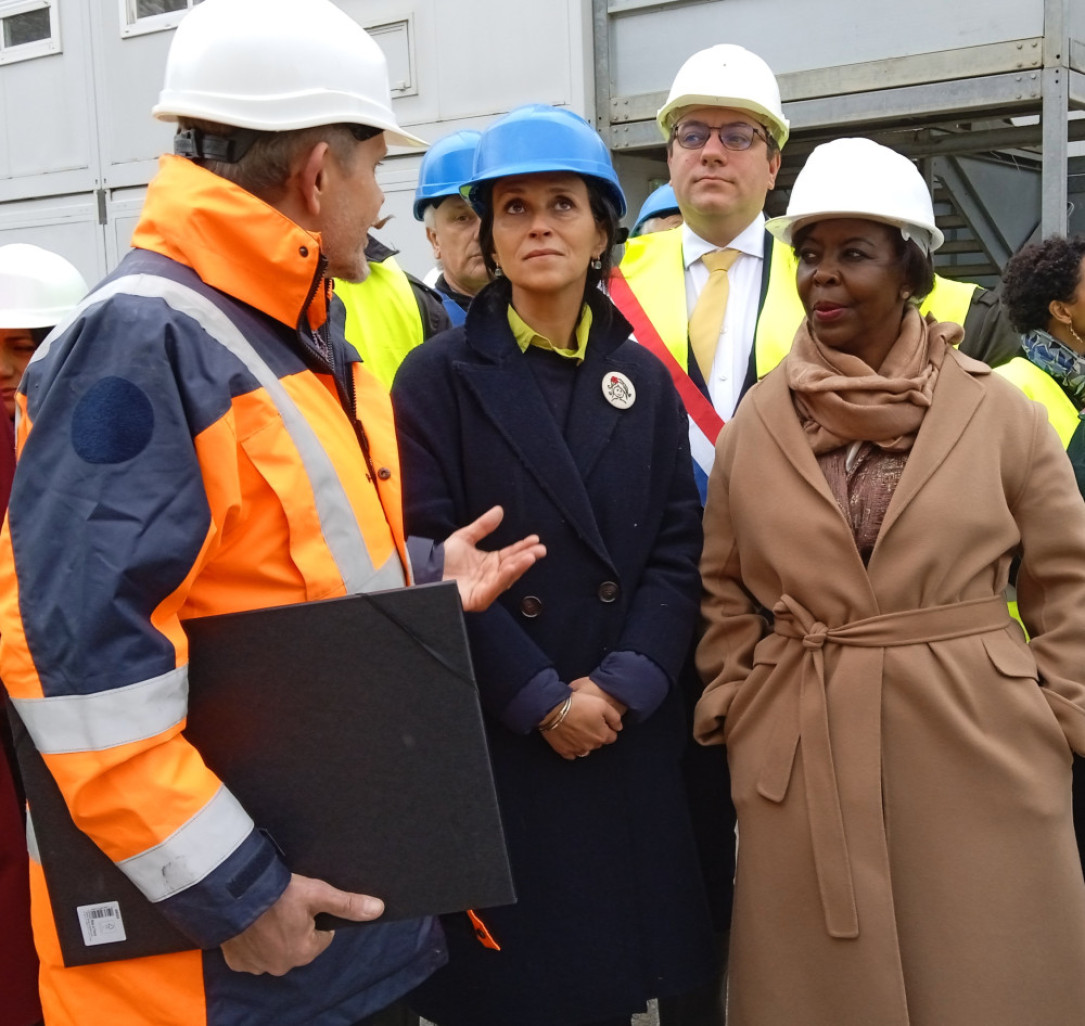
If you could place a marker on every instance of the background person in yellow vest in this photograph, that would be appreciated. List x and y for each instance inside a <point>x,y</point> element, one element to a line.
<point>1043,290</point>
<point>451,223</point>
<point>190,444</point>
<point>388,312</point>
<point>725,127</point>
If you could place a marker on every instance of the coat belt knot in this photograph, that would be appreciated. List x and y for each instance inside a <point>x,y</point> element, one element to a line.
<point>909,627</point>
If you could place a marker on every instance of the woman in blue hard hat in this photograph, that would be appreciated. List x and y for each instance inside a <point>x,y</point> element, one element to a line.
<point>543,402</point>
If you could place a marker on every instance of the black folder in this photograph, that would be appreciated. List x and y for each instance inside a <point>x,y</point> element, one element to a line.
<point>350,731</point>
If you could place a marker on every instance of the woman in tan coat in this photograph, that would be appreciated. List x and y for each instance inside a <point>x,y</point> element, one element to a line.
<point>900,756</point>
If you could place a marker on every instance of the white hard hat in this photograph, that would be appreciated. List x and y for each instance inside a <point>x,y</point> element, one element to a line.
<point>860,178</point>
<point>727,75</point>
<point>277,65</point>
<point>38,289</point>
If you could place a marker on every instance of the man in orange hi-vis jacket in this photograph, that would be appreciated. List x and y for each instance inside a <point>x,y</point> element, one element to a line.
<point>197,438</point>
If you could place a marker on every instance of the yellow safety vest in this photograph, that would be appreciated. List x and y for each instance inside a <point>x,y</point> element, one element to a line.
<point>383,320</point>
<point>949,300</point>
<point>1039,386</point>
<point>1044,389</point>
<point>654,268</point>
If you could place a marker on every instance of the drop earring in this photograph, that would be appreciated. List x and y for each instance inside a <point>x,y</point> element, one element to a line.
<point>597,264</point>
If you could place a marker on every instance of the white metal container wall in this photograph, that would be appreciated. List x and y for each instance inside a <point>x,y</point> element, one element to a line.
<point>475,60</point>
<point>47,119</point>
<point>49,147</point>
<point>478,58</point>
<point>66,224</point>
<point>128,75</point>
<point>79,121</point>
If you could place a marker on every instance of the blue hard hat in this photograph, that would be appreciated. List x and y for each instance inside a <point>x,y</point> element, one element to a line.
<point>445,167</point>
<point>660,201</point>
<point>537,138</point>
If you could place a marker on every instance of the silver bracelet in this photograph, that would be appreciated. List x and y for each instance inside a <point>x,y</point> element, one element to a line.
<point>560,717</point>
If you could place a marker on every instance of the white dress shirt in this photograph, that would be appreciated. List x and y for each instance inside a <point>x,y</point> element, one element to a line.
<point>739,321</point>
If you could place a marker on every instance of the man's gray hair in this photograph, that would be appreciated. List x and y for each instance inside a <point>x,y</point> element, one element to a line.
<point>266,166</point>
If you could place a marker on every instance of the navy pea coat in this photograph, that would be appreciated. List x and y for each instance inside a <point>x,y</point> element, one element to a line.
<point>611,908</point>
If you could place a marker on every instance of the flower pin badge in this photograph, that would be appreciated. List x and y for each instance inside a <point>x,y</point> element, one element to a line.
<point>618,390</point>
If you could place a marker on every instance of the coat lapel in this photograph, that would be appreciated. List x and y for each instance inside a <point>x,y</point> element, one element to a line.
<point>510,398</point>
<point>593,420</point>
<point>772,401</point>
<point>956,397</point>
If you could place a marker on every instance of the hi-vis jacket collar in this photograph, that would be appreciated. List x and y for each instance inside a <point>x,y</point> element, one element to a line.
<point>233,240</point>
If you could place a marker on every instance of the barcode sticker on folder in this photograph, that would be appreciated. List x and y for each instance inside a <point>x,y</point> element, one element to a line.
<point>101,924</point>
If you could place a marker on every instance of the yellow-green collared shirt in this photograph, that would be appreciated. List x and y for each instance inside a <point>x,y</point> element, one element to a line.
<point>526,335</point>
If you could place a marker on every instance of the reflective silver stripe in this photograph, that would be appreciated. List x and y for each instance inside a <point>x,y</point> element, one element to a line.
<point>192,851</point>
<point>338,523</point>
<point>388,576</point>
<point>32,840</point>
<point>188,855</point>
<point>91,723</point>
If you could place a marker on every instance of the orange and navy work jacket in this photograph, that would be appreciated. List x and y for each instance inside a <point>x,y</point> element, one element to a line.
<point>195,440</point>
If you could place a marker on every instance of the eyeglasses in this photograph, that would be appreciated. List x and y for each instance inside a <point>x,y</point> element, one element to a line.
<point>693,135</point>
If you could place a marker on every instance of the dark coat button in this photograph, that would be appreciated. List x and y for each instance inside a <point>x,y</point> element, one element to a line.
<point>608,591</point>
<point>384,473</point>
<point>530,606</point>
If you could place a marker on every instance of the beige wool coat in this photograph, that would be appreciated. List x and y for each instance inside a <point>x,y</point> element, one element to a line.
<point>900,756</point>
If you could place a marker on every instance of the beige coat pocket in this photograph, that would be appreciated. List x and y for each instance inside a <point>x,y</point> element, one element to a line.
<point>1012,659</point>
<point>746,694</point>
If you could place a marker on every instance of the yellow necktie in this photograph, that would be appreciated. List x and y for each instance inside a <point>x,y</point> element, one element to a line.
<point>707,318</point>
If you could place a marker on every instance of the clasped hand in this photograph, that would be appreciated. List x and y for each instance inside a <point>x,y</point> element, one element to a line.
<point>593,720</point>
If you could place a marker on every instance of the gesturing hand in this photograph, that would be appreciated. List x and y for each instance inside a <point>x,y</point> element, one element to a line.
<point>285,936</point>
<point>482,576</point>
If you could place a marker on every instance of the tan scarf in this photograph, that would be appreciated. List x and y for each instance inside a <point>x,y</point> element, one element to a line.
<point>840,399</point>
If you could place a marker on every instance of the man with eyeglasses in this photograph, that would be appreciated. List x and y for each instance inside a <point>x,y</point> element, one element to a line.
<point>725,127</point>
